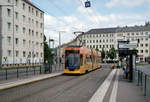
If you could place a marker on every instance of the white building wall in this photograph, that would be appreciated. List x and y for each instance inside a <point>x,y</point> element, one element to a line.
<point>36,47</point>
<point>111,39</point>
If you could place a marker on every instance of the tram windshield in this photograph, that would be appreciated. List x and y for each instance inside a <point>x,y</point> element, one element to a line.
<point>72,60</point>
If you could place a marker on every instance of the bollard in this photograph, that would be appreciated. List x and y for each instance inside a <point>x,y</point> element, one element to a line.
<point>17,73</point>
<point>138,78</point>
<point>145,85</point>
<point>40,69</point>
<point>34,70</point>
<point>6,74</point>
<point>27,71</point>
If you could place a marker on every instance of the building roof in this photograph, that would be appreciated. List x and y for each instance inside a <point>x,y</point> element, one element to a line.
<point>119,29</point>
<point>28,1</point>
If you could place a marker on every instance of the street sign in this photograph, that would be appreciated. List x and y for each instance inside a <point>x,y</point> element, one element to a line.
<point>122,46</point>
<point>149,36</point>
<point>87,4</point>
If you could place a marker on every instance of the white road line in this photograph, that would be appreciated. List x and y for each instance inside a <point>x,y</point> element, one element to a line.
<point>113,97</point>
<point>101,92</point>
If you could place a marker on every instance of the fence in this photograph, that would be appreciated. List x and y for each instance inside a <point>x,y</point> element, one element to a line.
<point>18,72</point>
<point>142,80</point>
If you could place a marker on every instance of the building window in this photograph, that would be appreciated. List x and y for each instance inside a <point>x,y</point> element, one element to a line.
<point>146,51</point>
<point>37,23</point>
<point>24,42</point>
<point>37,54</point>
<point>24,17</point>
<point>103,46</point>
<point>146,39</point>
<point>141,51</point>
<point>37,13</point>
<point>32,21</point>
<point>16,13</point>
<point>29,9</point>
<point>100,46</point>
<point>146,45</point>
<point>17,53</point>
<point>29,20</point>
<point>9,12</point>
<point>17,41</point>
<point>9,53</point>
<point>36,34</point>
<point>32,33</point>
<point>9,40</point>
<point>9,1</point>
<point>29,43</point>
<point>137,33</point>
<point>17,28</point>
<point>24,30</point>
<point>146,33</point>
<point>103,40</point>
<point>29,32</point>
<point>141,33</point>
<point>23,6</point>
<point>24,54</point>
<point>107,46</point>
<point>141,45</point>
<point>41,15</point>
<point>97,41</point>
<point>100,41</point>
<point>132,34</point>
<point>93,41</point>
<point>32,11</point>
<point>93,46</point>
<point>9,26</point>
<point>42,26</point>
<point>16,2</point>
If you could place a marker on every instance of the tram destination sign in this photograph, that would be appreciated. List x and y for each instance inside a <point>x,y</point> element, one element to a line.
<point>125,46</point>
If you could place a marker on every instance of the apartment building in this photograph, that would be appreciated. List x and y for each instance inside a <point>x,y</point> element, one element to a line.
<point>108,37</point>
<point>21,32</point>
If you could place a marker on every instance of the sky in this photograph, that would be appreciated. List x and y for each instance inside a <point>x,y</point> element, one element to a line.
<point>71,16</point>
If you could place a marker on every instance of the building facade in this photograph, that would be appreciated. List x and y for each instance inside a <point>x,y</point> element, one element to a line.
<point>108,37</point>
<point>21,31</point>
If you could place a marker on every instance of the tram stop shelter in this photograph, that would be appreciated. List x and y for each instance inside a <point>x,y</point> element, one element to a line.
<point>128,51</point>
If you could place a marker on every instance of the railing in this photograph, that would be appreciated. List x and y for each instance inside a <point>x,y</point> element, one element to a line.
<point>142,80</point>
<point>26,71</point>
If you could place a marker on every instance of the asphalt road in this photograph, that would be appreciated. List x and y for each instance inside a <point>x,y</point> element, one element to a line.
<point>65,88</point>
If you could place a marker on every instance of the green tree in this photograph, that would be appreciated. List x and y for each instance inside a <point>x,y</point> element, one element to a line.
<point>97,49</point>
<point>103,54</point>
<point>112,53</point>
<point>48,56</point>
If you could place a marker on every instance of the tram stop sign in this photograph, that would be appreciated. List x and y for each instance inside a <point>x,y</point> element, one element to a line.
<point>127,46</point>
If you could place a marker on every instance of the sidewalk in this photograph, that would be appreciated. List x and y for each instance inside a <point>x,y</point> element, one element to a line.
<point>13,83</point>
<point>128,91</point>
<point>117,89</point>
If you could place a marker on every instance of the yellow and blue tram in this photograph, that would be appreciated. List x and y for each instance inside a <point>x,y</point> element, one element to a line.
<point>79,60</point>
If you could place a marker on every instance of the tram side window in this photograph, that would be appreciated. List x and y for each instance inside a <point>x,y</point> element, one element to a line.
<point>81,60</point>
<point>88,60</point>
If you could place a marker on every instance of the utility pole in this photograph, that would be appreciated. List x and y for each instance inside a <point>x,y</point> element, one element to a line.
<point>13,33</point>
<point>0,36</point>
<point>60,46</point>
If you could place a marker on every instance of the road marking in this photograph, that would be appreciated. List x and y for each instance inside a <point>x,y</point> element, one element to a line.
<point>113,97</point>
<point>100,93</point>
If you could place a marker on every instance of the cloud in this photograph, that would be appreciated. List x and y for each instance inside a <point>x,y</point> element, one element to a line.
<point>84,22</point>
<point>124,3</point>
